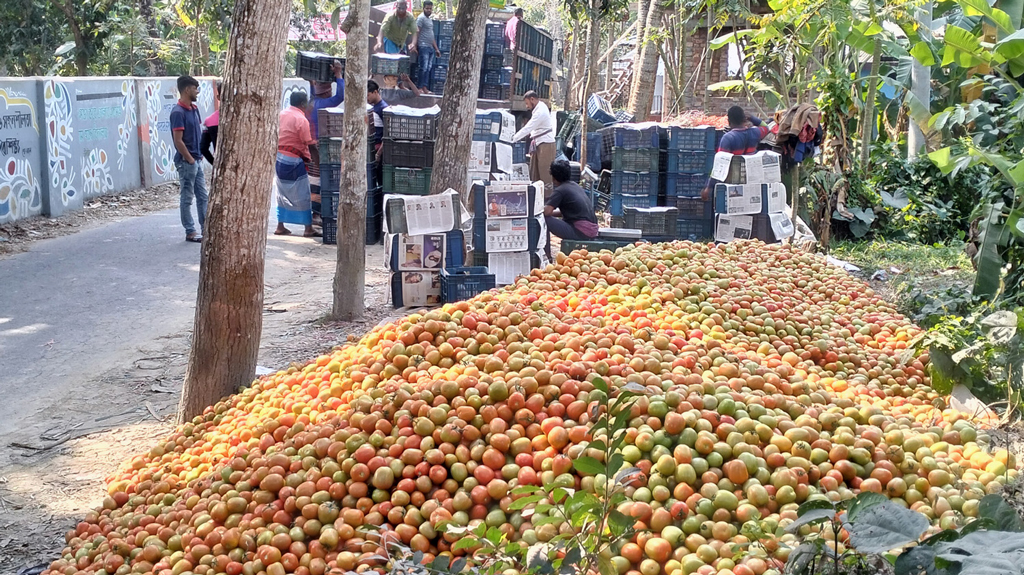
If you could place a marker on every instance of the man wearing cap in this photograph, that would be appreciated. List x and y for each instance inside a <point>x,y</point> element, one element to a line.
<point>395,29</point>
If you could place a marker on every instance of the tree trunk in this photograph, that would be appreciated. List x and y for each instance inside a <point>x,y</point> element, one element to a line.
<point>350,272</point>
<point>569,103</point>
<point>642,7</point>
<point>867,128</point>
<point>458,106</point>
<point>590,61</point>
<point>81,50</point>
<point>156,63</point>
<point>641,96</point>
<point>229,306</point>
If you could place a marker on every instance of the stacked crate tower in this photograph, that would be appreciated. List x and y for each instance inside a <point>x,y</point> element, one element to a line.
<point>508,228</point>
<point>495,78</point>
<point>329,122</point>
<point>443,36</point>
<point>635,160</point>
<point>689,155</point>
<point>408,152</point>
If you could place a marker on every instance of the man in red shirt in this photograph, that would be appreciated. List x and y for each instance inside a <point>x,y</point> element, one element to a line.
<point>294,202</point>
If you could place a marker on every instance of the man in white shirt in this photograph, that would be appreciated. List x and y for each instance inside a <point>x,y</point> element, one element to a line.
<point>541,129</point>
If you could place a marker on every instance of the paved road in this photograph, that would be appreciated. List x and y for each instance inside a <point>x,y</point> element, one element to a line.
<point>71,307</point>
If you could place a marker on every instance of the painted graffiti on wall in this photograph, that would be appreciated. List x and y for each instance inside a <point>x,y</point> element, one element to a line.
<point>289,87</point>
<point>162,153</point>
<point>20,190</point>
<point>96,178</point>
<point>59,134</point>
<point>127,126</point>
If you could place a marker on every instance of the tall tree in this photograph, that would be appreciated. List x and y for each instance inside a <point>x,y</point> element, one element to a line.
<point>229,307</point>
<point>81,46</point>
<point>350,272</point>
<point>641,96</point>
<point>458,106</point>
<point>156,63</point>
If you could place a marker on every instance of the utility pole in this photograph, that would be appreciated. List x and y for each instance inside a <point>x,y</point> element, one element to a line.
<point>920,85</point>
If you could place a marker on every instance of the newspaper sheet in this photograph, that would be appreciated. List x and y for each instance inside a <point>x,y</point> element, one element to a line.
<point>424,252</point>
<point>770,165</point>
<point>430,214</point>
<point>480,157</point>
<point>720,169</point>
<point>782,226</point>
<point>503,157</point>
<point>421,288</point>
<point>506,267</point>
<point>508,127</point>
<point>507,235</point>
<point>507,200</point>
<point>743,199</point>
<point>776,197</point>
<point>733,228</point>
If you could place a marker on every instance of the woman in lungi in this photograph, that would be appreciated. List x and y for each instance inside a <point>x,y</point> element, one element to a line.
<point>294,203</point>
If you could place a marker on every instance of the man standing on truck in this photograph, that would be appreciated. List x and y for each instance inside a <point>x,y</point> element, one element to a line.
<point>541,130</point>
<point>511,27</point>
<point>395,29</point>
<point>426,46</point>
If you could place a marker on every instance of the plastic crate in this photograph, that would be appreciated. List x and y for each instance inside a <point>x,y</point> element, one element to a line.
<point>439,74</point>
<point>330,150</point>
<point>444,27</point>
<point>493,92</point>
<point>444,44</point>
<point>519,150</point>
<point>650,221</point>
<point>493,63</point>
<point>464,283</point>
<point>534,241</point>
<point>640,160</point>
<point>330,122</point>
<point>625,136</point>
<point>634,183</point>
<point>700,139</point>
<point>401,154</point>
<point>316,67</point>
<point>689,162</point>
<point>494,47</point>
<point>487,127</point>
<point>593,246</point>
<point>390,64</point>
<point>685,185</point>
<point>412,128</point>
<point>494,31</point>
<point>499,76</point>
<point>617,203</point>
<point>330,178</point>
<point>454,251</point>
<point>328,205</point>
<point>330,231</point>
<point>694,230</point>
<point>374,229</point>
<point>437,87</point>
<point>695,208</point>
<point>444,60</point>
<point>409,181</point>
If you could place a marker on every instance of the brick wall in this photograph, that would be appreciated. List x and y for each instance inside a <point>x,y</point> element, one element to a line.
<point>693,97</point>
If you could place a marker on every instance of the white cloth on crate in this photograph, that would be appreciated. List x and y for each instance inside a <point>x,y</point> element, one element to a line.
<point>540,127</point>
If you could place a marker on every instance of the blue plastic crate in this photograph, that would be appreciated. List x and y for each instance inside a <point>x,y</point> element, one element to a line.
<point>617,203</point>
<point>443,60</point>
<point>374,229</point>
<point>499,76</point>
<point>626,136</point>
<point>444,44</point>
<point>519,150</point>
<point>494,31</point>
<point>689,162</point>
<point>494,47</point>
<point>454,252</point>
<point>439,74</point>
<point>328,205</point>
<point>464,283</point>
<point>634,183</point>
<point>695,208</point>
<point>330,177</point>
<point>480,234</point>
<point>695,230</point>
<point>603,117</point>
<point>685,185</point>
<point>487,127</point>
<point>436,88</point>
<point>444,27</point>
<point>697,139</point>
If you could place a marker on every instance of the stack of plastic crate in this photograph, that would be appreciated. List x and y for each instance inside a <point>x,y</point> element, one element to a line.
<point>443,30</point>
<point>689,155</point>
<point>508,228</point>
<point>495,78</point>
<point>634,157</point>
<point>408,150</point>
<point>329,124</point>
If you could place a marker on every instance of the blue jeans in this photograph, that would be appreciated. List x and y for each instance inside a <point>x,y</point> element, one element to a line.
<point>427,57</point>
<point>193,184</point>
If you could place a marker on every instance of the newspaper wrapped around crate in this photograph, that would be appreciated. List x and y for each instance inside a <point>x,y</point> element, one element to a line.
<point>416,215</point>
<point>508,127</point>
<point>764,167</point>
<point>502,158</point>
<point>510,233</point>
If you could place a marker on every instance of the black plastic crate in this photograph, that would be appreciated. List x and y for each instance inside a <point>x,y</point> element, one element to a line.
<point>330,150</point>
<point>437,87</point>
<point>439,74</point>
<point>695,208</point>
<point>390,64</point>
<point>409,181</point>
<point>650,221</point>
<point>701,139</point>
<point>330,177</point>
<point>316,67</point>
<point>494,31</point>
<point>464,283</point>
<point>444,44</point>
<point>330,122</point>
<point>634,183</point>
<point>413,128</point>
<point>330,231</point>
<point>694,230</point>
<point>328,205</point>
<point>499,76</point>
<point>519,150</point>
<point>493,92</point>
<point>685,185</point>
<point>444,27</point>
<point>689,162</point>
<point>592,246</point>
<point>403,154</point>
<point>487,126</point>
<point>494,47</point>
<point>493,63</point>
<point>633,138</point>
<point>374,229</point>
<point>629,160</point>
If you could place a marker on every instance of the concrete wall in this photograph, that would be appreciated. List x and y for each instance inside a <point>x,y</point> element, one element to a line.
<point>66,140</point>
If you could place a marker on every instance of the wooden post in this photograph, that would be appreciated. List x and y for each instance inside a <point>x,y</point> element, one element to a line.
<point>229,306</point>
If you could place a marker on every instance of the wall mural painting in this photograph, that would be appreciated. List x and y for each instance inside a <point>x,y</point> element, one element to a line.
<point>20,192</point>
<point>163,154</point>
<point>59,134</point>
<point>287,95</point>
<point>96,179</point>
<point>127,127</point>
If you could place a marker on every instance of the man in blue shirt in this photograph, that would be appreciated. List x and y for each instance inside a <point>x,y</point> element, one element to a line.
<point>377,103</point>
<point>186,132</point>
<point>322,97</point>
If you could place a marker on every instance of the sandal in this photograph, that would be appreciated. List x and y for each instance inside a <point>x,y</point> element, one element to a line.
<point>194,238</point>
<point>284,232</point>
<point>312,234</point>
